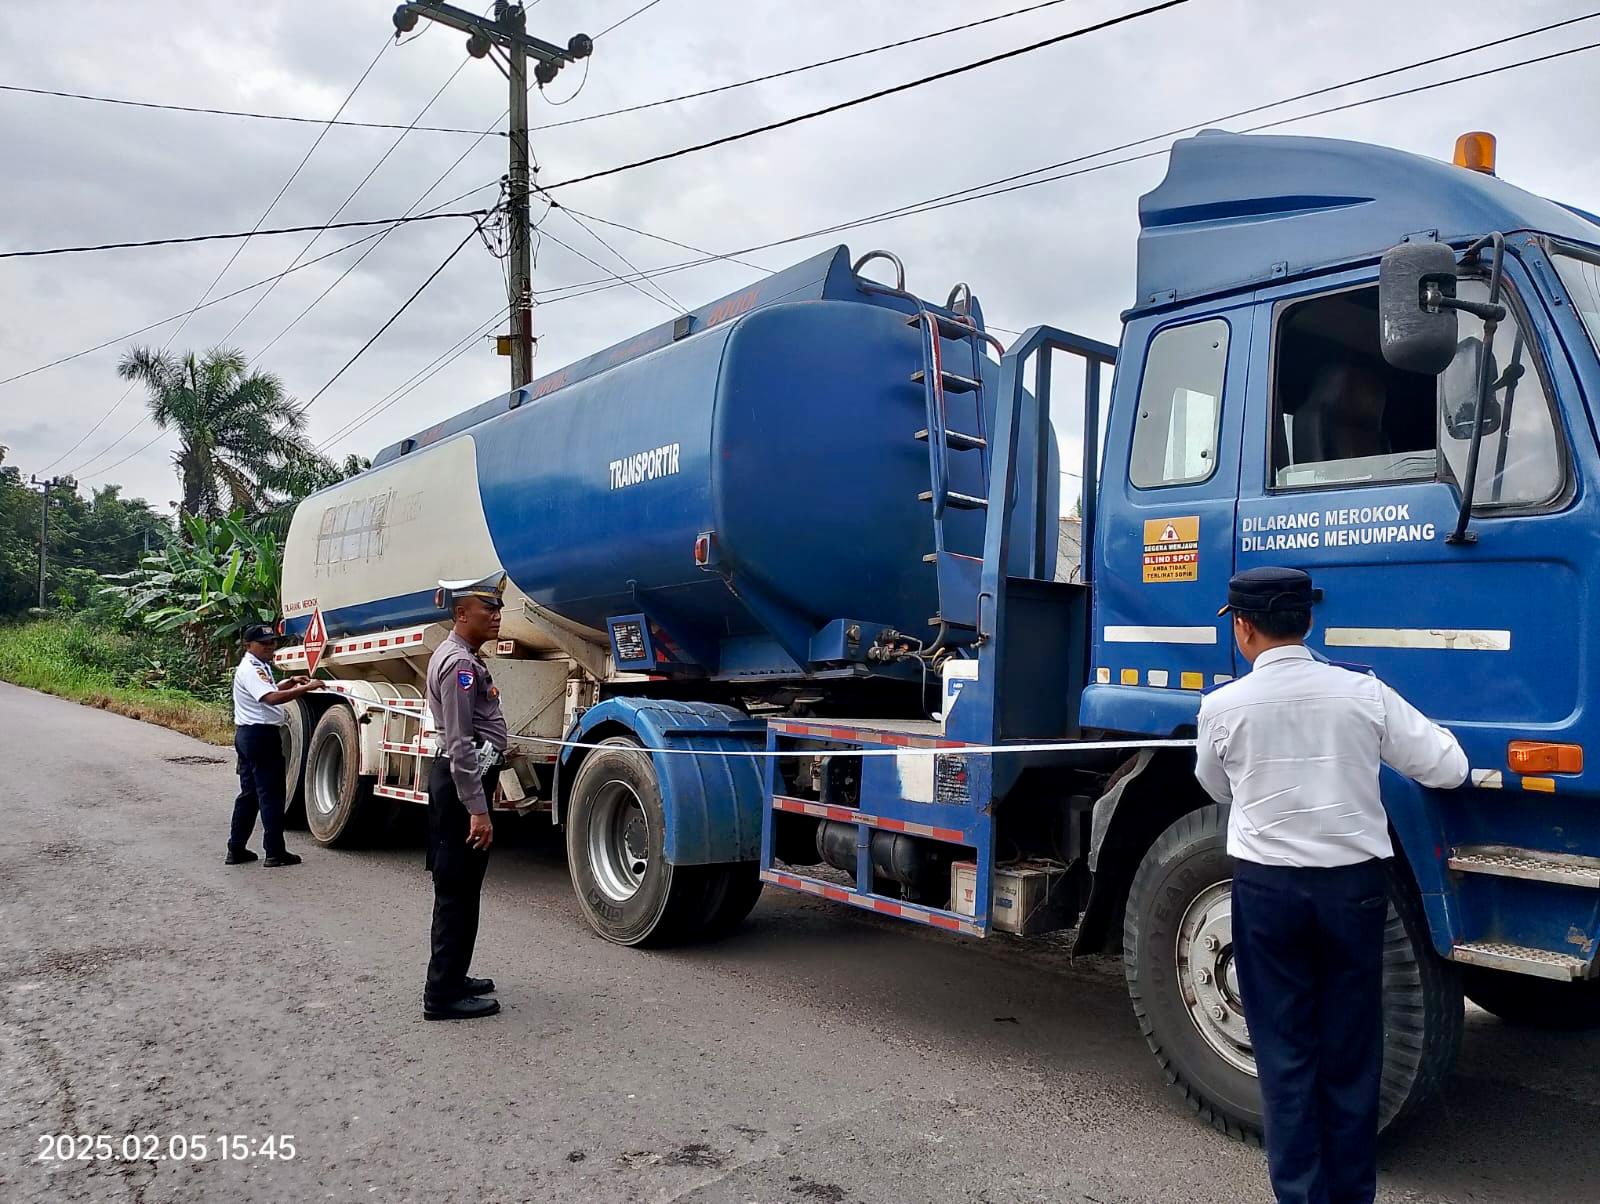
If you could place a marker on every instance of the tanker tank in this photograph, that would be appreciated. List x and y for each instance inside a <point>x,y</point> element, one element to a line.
<point>731,494</point>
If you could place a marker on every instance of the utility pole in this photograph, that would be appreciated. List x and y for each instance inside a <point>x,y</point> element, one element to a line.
<point>44,524</point>
<point>508,34</point>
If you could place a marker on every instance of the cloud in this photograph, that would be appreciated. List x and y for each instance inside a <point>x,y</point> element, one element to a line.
<point>1061,253</point>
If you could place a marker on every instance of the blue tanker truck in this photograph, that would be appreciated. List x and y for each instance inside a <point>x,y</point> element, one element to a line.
<point>785,607</point>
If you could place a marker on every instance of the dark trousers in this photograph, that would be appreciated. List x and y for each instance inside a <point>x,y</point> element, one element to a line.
<point>457,882</point>
<point>261,784</point>
<point>1309,948</point>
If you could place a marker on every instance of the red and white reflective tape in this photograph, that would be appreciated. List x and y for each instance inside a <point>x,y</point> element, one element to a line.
<point>400,792</point>
<point>848,815</point>
<point>888,907</point>
<point>343,647</point>
<point>819,731</point>
<point>411,707</point>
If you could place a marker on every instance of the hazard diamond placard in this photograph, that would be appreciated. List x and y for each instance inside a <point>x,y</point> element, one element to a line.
<point>1172,549</point>
<point>316,640</point>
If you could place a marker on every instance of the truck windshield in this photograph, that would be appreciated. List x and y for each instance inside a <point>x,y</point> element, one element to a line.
<point>1581,275</point>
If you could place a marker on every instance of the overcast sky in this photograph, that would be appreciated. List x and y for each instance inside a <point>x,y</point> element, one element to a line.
<point>76,172</point>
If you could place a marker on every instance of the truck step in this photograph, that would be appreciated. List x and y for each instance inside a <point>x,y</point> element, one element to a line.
<point>950,328</point>
<point>1507,861</point>
<point>1520,959</point>
<point>957,501</point>
<point>953,382</point>
<point>956,440</point>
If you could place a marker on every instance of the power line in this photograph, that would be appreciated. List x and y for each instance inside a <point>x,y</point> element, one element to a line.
<point>871,96</point>
<point>372,171</point>
<point>176,108</point>
<point>672,302</point>
<point>632,282</point>
<point>842,58</point>
<point>638,12</point>
<point>152,442</point>
<point>980,191</point>
<point>673,242</point>
<point>192,238</point>
<point>232,259</point>
<point>393,318</point>
<point>380,237</point>
<point>65,359</point>
<point>417,379</point>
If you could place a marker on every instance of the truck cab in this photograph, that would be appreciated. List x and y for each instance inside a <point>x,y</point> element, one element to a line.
<point>1258,419</point>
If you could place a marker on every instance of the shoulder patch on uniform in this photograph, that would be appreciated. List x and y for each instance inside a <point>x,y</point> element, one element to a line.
<point>465,678</point>
<point>1353,667</point>
<point>263,675</point>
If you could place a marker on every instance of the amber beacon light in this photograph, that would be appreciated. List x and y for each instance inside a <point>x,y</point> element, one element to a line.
<point>1475,152</point>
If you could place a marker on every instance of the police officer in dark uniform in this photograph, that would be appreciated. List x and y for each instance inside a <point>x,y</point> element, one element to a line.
<point>1294,748</point>
<point>471,739</point>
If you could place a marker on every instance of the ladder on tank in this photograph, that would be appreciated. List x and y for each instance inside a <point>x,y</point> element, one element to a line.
<point>955,428</point>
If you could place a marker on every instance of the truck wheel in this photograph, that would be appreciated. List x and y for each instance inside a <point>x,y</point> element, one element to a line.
<point>338,801</point>
<point>730,898</point>
<point>1178,959</point>
<point>629,892</point>
<point>294,734</point>
<point>1535,1002</point>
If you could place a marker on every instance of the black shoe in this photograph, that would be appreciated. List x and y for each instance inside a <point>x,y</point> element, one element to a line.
<point>241,857</point>
<point>469,1008</point>
<point>279,859</point>
<point>476,986</point>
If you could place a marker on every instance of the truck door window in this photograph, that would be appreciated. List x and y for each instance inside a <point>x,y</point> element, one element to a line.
<point>1342,416</point>
<point>1180,405</point>
<point>1520,463</point>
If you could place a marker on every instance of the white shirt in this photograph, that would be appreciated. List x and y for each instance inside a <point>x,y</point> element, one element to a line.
<point>1295,745</point>
<point>251,681</point>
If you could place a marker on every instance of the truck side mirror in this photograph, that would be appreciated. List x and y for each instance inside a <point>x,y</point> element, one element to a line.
<point>1458,390</point>
<point>1418,333</point>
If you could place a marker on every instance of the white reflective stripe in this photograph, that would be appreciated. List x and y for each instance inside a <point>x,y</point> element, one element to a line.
<point>1158,677</point>
<point>962,749</point>
<point>1161,635</point>
<point>1488,779</point>
<point>1449,638</point>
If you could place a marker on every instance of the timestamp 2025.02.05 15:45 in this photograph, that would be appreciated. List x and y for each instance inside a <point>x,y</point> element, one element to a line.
<point>153,1147</point>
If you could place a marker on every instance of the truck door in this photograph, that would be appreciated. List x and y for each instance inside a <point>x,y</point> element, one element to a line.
<point>1164,548</point>
<point>1351,471</point>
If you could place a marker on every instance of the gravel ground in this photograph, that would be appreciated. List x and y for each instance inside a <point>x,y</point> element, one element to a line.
<point>818,1055</point>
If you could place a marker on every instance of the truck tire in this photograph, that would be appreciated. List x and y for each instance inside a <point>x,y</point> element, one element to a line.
<point>626,888</point>
<point>1180,895</point>
<point>295,733</point>
<point>1534,1002</point>
<point>730,898</point>
<point>339,806</point>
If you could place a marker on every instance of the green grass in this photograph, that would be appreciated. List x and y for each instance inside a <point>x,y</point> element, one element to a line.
<point>106,669</point>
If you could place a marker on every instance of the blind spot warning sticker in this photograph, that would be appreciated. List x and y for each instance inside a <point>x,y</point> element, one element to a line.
<point>1171,549</point>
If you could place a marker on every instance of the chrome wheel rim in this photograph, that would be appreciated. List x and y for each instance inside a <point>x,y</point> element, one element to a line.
<point>1208,977</point>
<point>619,841</point>
<point>327,779</point>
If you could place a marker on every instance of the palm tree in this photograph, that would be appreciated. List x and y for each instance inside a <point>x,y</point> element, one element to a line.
<point>239,437</point>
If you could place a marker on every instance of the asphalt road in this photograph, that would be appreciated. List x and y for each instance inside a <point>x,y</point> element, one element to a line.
<point>818,1055</point>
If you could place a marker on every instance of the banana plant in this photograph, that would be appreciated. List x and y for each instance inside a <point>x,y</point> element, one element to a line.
<point>209,582</point>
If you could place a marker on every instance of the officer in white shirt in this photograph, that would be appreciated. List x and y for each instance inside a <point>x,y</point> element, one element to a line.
<point>1294,746</point>
<point>258,716</point>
